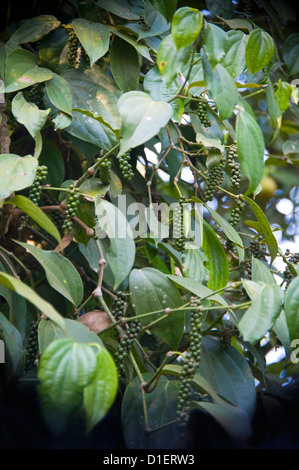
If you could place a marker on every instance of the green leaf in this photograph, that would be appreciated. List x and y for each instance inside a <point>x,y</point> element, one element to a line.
<point>234,59</point>
<point>259,50</point>
<point>260,272</point>
<point>25,291</point>
<point>291,307</point>
<point>142,118</point>
<point>14,350</point>
<point>166,7</point>
<point>151,291</point>
<point>262,314</point>
<point>100,393</point>
<point>36,214</point>
<point>121,253</point>
<point>228,373</point>
<point>283,95</point>
<point>52,158</point>
<point>170,61</point>
<point>214,42</point>
<point>16,173</point>
<point>193,264</point>
<point>122,9</point>
<point>272,104</point>
<point>290,53</point>
<point>156,23</point>
<point>34,29</point>
<point>227,228</point>
<point>161,405</point>
<point>140,48</point>
<point>232,419</point>
<point>21,71</point>
<point>29,114</point>
<point>221,86</point>
<point>251,147</point>
<point>59,93</point>
<point>264,227</point>
<point>197,289</point>
<point>49,332</point>
<point>124,63</point>
<point>185,26</point>
<point>217,263</point>
<point>94,37</point>
<point>65,368</point>
<point>60,272</point>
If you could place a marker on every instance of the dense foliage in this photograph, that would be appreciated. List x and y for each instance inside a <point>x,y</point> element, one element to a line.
<point>147,148</point>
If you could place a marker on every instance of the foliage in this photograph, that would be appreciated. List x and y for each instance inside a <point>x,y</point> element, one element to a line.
<point>145,146</point>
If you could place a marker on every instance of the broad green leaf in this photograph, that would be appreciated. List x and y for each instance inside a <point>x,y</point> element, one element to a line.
<point>49,331</point>
<point>194,264</point>
<point>65,368</point>
<point>214,42</point>
<point>197,289</point>
<point>96,93</point>
<point>283,95</point>
<point>259,50</point>
<point>100,393</point>
<point>217,263</point>
<point>122,9</point>
<point>91,130</point>
<point>228,373</point>
<point>238,23</point>
<point>155,86</point>
<point>25,291</point>
<point>262,314</point>
<point>52,158</point>
<point>93,187</point>
<point>14,350</point>
<point>234,59</point>
<point>185,26</point>
<point>60,272</point>
<point>231,418</point>
<point>152,291</point>
<point>29,114</point>
<point>221,86</point>
<point>161,405</point>
<point>282,332</point>
<point>36,214</point>
<point>124,63</point>
<point>272,104</point>
<point>291,308</point>
<point>264,227</point>
<point>166,7</point>
<point>140,48</point>
<point>59,93</point>
<point>121,253</point>
<point>16,173</point>
<point>170,61</point>
<point>209,142</point>
<point>156,23</point>
<point>252,288</point>
<point>94,37</point>
<point>142,118</point>
<point>34,29</point>
<point>21,71</point>
<point>251,147</point>
<point>260,272</point>
<point>290,53</point>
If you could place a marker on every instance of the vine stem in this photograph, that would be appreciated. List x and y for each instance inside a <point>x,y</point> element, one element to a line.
<point>135,365</point>
<point>92,169</point>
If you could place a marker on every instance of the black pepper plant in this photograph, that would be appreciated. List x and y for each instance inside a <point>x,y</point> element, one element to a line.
<point>137,137</point>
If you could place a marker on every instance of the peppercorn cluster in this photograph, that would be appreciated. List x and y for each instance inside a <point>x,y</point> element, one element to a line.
<point>257,250</point>
<point>71,208</point>
<point>202,114</point>
<point>36,188</point>
<point>178,225</point>
<point>32,346</point>
<point>236,212</point>
<point>215,178</point>
<point>291,258</point>
<point>190,361</point>
<point>130,333</point>
<point>72,47</point>
<point>234,166</point>
<point>104,171</point>
<point>34,94</point>
<point>125,166</point>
